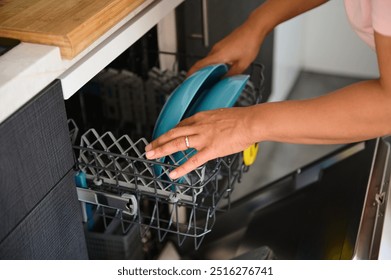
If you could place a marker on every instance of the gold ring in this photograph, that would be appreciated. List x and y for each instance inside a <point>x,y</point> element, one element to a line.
<point>187,142</point>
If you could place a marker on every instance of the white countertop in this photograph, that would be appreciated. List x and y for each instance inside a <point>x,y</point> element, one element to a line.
<point>28,68</point>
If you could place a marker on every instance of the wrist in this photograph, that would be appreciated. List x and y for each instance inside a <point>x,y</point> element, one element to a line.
<point>260,23</point>
<point>257,123</point>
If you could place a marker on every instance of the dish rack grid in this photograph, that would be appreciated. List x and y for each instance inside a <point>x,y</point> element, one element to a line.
<point>121,185</point>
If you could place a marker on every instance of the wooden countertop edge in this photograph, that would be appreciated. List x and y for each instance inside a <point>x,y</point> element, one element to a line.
<point>37,38</point>
<point>74,42</point>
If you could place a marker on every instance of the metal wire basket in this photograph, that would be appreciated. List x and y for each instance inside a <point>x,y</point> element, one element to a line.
<point>117,183</point>
<point>124,185</point>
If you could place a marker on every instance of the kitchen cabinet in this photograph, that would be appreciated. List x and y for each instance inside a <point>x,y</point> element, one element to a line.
<point>29,68</point>
<point>51,230</point>
<point>38,196</point>
<point>202,23</point>
<point>41,214</point>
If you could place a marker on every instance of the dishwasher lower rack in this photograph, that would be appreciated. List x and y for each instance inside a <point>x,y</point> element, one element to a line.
<point>116,182</point>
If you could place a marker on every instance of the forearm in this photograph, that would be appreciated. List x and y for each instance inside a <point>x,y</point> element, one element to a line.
<point>357,112</point>
<point>273,12</point>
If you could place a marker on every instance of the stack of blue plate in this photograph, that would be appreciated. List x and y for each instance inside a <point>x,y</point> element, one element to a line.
<point>205,90</point>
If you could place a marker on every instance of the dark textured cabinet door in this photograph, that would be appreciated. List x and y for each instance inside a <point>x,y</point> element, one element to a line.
<point>222,17</point>
<point>35,153</point>
<point>52,230</point>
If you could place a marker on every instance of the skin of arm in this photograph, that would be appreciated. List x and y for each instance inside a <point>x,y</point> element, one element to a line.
<point>240,48</point>
<point>358,112</point>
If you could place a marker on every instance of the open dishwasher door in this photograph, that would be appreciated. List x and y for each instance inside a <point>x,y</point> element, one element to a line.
<point>333,208</point>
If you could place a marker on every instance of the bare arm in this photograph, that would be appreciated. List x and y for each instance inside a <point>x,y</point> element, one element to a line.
<point>357,112</point>
<point>273,12</point>
<point>241,47</point>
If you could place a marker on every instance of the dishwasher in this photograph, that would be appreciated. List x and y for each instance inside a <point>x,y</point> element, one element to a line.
<point>129,211</point>
<point>333,208</point>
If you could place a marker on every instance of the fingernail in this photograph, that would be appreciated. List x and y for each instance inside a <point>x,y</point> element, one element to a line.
<point>148,147</point>
<point>173,174</point>
<point>150,154</point>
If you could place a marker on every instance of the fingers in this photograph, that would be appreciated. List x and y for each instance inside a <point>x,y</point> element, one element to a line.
<point>186,122</point>
<point>234,70</point>
<point>237,68</point>
<point>179,144</point>
<point>173,146</point>
<point>210,59</point>
<point>198,65</point>
<point>169,136</point>
<point>182,129</point>
<point>192,163</point>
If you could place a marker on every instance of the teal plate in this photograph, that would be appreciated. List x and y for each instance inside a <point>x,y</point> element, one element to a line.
<point>222,95</point>
<point>182,97</point>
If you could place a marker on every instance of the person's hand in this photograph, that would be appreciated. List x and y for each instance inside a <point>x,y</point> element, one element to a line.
<point>238,49</point>
<point>213,134</point>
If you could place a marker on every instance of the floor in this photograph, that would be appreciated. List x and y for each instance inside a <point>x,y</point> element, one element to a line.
<point>278,159</point>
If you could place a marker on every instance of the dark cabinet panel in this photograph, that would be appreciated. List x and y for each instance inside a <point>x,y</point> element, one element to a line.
<point>35,153</point>
<point>53,229</point>
<point>222,17</point>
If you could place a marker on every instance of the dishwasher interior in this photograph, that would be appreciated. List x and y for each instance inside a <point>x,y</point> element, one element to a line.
<point>130,206</point>
<point>329,209</point>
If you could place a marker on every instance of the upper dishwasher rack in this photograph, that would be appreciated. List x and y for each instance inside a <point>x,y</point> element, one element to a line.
<point>121,183</point>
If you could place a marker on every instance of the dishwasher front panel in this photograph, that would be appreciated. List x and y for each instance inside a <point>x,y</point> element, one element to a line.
<point>317,212</point>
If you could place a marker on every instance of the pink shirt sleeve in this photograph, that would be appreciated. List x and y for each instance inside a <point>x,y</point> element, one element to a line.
<point>381,16</point>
